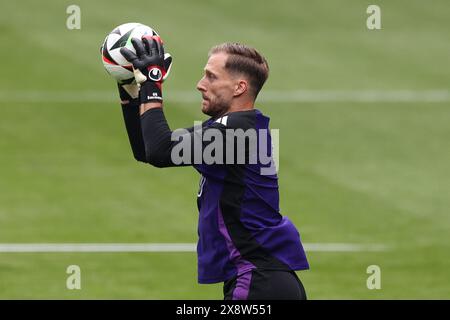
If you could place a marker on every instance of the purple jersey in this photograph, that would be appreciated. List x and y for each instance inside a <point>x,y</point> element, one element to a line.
<point>240,227</point>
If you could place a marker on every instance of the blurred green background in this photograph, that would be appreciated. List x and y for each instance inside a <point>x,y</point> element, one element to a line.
<point>361,172</point>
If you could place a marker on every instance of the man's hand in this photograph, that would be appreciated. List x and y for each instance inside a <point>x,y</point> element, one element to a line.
<point>150,66</point>
<point>128,92</point>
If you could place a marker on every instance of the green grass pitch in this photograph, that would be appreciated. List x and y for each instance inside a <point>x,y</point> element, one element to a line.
<point>350,172</point>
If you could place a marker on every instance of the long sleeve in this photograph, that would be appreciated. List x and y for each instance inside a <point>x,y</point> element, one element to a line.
<point>157,138</point>
<point>133,125</point>
<point>226,140</point>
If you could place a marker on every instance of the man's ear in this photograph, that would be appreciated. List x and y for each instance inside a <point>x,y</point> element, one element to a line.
<point>241,87</point>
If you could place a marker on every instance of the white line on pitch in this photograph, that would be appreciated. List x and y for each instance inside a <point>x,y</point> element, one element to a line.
<point>162,247</point>
<point>286,96</point>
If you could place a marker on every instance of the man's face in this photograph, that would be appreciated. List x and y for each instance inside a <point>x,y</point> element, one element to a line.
<point>216,86</point>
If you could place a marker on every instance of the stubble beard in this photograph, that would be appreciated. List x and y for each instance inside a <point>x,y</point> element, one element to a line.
<point>216,107</point>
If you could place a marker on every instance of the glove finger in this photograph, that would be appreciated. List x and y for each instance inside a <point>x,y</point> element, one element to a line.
<point>160,48</point>
<point>167,61</point>
<point>132,90</point>
<point>139,46</point>
<point>139,76</point>
<point>129,55</point>
<point>150,44</point>
<point>167,64</point>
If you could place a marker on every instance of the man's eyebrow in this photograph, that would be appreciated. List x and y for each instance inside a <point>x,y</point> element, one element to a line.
<point>208,71</point>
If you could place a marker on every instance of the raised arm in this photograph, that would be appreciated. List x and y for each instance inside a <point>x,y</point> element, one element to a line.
<point>159,140</point>
<point>150,71</point>
<point>151,142</point>
<point>130,110</point>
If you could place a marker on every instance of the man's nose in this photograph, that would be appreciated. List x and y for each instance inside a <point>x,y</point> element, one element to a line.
<point>200,85</point>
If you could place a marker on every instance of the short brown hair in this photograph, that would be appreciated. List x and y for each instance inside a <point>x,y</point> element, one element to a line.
<point>245,60</point>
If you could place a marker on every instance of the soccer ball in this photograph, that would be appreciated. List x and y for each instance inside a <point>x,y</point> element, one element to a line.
<point>113,61</point>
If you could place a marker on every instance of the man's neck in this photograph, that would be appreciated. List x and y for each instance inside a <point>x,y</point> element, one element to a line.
<point>236,107</point>
<point>241,106</point>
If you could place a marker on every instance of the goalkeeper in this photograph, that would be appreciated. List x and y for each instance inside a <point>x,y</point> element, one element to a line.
<point>244,241</point>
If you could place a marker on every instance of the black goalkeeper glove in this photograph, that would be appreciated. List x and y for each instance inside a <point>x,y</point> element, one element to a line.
<point>149,65</point>
<point>128,92</point>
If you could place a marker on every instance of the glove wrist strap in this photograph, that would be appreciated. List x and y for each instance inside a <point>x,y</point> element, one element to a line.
<point>150,92</point>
